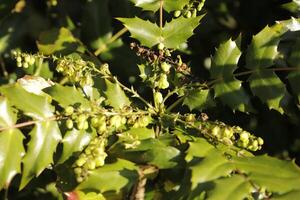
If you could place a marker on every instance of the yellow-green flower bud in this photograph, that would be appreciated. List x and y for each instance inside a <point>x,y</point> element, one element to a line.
<point>69,110</point>
<point>260,141</point>
<point>215,131</point>
<point>81,161</point>
<point>177,13</point>
<point>158,98</point>
<point>69,124</point>
<point>165,67</point>
<point>163,82</point>
<point>188,14</point>
<point>161,46</point>
<point>244,136</point>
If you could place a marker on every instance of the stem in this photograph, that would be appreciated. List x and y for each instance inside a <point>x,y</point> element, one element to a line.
<point>39,67</point>
<point>29,123</point>
<point>176,103</point>
<point>103,47</point>
<point>161,14</point>
<point>2,64</point>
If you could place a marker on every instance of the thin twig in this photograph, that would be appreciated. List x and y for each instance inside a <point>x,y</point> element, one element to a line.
<point>161,14</point>
<point>103,47</point>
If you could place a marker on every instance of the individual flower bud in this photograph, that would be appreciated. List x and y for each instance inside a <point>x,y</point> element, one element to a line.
<point>27,58</point>
<point>99,161</point>
<point>85,125</point>
<point>102,128</point>
<point>194,14</point>
<point>69,110</point>
<point>188,14</point>
<point>91,164</point>
<point>165,67</point>
<point>200,6</point>
<point>244,136</point>
<point>161,46</point>
<point>260,141</point>
<point>216,131</point>
<point>79,179</point>
<point>19,64</point>
<point>25,65</point>
<point>32,60</point>
<point>69,124</point>
<point>158,98</point>
<point>163,82</point>
<point>177,13</point>
<point>77,170</point>
<point>81,161</point>
<point>116,121</point>
<point>95,122</point>
<point>19,59</point>
<point>227,132</point>
<point>190,118</point>
<point>254,145</point>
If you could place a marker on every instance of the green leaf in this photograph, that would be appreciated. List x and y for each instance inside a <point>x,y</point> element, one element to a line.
<point>8,117</point>
<point>44,138</point>
<point>231,188</point>
<point>117,176</point>
<point>116,97</point>
<point>287,196</point>
<point>198,99</point>
<point>294,61</point>
<point>273,174</point>
<point>11,153</point>
<point>32,105</point>
<point>172,35</point>
<point>210,167</point>
<point>268,87</point>
<point>260,55</point>
<point>67,95</point>
<point>74,141</point>
<point>154,5</point>
<point>179,30</point>
<point>59,41</point>
<point>227,87</point>
<point>263,48</point>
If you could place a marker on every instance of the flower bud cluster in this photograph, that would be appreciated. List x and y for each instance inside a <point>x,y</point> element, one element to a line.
<point>77,118</point>
<point>93,157</point>
<point>23,59</point>
<point>77,70</point>
<point>229,135</point>
<point>191,9</point>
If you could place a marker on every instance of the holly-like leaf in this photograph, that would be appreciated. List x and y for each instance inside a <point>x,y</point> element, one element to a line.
<point>115,96</point>
<point>117,176</point>
<point>294,61</point>
<point>44,138</point>
<point>59,41</point>
<point>67,95</point>
<point>276,175</point>
<point>74,141</point>
<point>260,55</point>
<point>231,188</point>
<point>227,87</point>
<point>31,104</point>
<point>268,87</point>
<point>11,145</point>
<point>172,35</point>
<point>154,5</point>
<point>198,99</point>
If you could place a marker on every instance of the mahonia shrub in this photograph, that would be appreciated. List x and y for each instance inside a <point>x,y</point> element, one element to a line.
<point>103,139</point>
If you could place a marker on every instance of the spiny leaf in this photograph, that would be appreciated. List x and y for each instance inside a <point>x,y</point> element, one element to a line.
<point>8,117</point>
<point>11,152</point>
<point>198,99</point>
<point>117,176</point>
<point>32,105</point>
<point>228,89</point>
<point>116,97</point>
<point>154,5</point>
<point>74,141</point>
<point>260,55</point>
<point>287,196</point>
<point>171,35</point>
<point>231,188</point>
<point>11,145</point>
<point>59,41</point>
<point>294,61</point>
<point>44,138</point>
<point>276,175</point>
<point>268,87</point>
<point>67,95</point>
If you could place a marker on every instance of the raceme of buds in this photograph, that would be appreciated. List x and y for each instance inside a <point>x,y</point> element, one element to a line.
<point>191,9</point>
<point>93,157</point>
<point>23,59</point>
